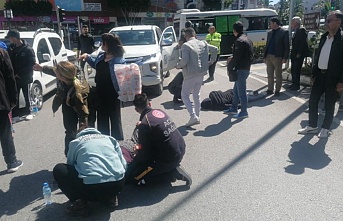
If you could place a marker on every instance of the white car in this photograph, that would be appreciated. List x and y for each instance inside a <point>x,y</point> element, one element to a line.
<point>49,49</point>
<point>155,52</point>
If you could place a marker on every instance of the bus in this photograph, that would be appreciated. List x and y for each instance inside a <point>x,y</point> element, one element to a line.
<point>255,21</point>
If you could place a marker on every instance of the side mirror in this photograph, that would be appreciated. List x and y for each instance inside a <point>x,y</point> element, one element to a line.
<point>46,57</point>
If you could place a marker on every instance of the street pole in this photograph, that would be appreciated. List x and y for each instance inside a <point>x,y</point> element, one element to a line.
<point>58,21</point>
<point>222,6</point>
<point>291,12</point>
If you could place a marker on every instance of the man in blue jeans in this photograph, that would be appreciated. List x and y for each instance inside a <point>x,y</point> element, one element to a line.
<point>241,62</point>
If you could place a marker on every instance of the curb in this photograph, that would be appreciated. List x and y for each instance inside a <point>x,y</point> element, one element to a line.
<point>304,80</point>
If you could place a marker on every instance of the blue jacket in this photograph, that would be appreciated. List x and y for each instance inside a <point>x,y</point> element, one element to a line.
<point>93,61</point>
<point>96,157</point>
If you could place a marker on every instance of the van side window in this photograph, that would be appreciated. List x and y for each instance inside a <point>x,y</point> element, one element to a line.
<point>159,34</point>
<point>56,45</point>
<point>42,48</point>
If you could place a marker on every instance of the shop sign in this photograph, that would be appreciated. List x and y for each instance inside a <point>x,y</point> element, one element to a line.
<point>149,14</point>
<point>44,19</point>
<point>100,20</point>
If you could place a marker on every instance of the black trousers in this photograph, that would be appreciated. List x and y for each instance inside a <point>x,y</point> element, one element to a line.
<point>6,139</point>
<point>16,112</point>
<point>73,187</point>
<point>70,123</point>
<point>322,85</point>
<point>296,70</point>
<point>161,171</point>
<point>109,118</point>
<point>212,68</point>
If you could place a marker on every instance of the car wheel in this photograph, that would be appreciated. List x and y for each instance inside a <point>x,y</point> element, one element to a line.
<point>157,89</point>
<point>36,94</point>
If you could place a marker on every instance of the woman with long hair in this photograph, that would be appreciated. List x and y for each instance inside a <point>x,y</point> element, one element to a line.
<point>107,88</point>
<point>72,95</point>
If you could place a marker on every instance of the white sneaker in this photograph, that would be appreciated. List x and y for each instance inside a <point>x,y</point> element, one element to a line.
<point>193,121</point>
<point>324,133</point>
<point>308,130</point>
<point>29,117</point>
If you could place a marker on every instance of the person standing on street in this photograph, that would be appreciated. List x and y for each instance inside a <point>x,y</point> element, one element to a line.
<point>327,75</point>
<point>299,51</point>
<point>107,88</point>
<point>213,38</point>
<point>22,58</point>
<point>71,95</point>
<point>241,61</point>
<point>85,44</point>
<point>276,53</point>
<point>8,99</point>
<point>194,63</point>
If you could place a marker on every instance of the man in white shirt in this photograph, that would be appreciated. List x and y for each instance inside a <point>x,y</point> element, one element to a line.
<point>327,75</point>
<point>194,63</point>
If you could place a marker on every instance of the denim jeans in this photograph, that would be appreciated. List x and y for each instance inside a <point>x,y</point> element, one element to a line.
<point>240,91</point>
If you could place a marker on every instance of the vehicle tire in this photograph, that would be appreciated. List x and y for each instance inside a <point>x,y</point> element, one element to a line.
<point>36,93</point>
<point>157,89</point>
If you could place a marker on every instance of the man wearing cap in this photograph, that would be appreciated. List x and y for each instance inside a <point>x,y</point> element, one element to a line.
<point>22,58</point>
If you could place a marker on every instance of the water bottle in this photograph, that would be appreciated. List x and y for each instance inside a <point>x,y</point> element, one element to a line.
<point>47,194</point>
<point>34,107</point>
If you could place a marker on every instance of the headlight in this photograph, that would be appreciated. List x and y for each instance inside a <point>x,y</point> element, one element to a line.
<point>153,67</point>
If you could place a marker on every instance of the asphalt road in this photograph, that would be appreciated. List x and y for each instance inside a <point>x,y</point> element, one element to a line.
<point>257,168</point>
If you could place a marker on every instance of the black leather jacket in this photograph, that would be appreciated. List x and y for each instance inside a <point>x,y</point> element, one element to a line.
<point>281,43</point>
<point>335,65</point>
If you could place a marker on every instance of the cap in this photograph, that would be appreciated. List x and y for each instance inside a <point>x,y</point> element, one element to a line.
<point>13,33</point>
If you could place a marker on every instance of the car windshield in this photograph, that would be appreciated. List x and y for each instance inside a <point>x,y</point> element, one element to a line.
<point>136,37</point>
<point>7,42</point>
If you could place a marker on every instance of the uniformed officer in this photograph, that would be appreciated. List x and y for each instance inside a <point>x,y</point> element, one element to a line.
<point>160,147</point>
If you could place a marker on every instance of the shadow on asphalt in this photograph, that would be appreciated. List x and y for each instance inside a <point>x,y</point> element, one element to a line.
<point>217,128</point>
<point>23,190</point>
<point>189,196</point>
<point>303,155</point>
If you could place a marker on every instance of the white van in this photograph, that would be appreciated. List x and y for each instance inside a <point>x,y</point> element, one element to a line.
<point>49,49</point>
<point>155,52</point>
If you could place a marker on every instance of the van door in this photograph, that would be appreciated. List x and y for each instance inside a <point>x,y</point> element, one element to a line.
<point>43,53</point>
<point>169,48</point>
<point>59,50</point>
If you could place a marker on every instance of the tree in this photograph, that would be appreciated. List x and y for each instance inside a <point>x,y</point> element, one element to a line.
<point>215,5</point>
<point>29,7</point>
<point>284,10</point>
<point>130,8</point>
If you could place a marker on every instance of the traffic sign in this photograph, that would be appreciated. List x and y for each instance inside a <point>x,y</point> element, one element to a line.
<point>311,21</point>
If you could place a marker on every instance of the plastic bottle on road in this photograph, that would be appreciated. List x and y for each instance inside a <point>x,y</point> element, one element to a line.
<point>47,194</point>
<point>34,107</point>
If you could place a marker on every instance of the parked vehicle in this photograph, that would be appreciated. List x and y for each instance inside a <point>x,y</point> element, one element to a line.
<point>155,52</point>
<point>49,49</point>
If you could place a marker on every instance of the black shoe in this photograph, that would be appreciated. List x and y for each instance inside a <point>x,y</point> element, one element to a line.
<point>181,174</point>
<point>270,92</point>
<point>78,208</point>
<point>295,88</point>
<point>177,101</point>
<point>13,167</point>
<point>289,86</point>
<point>277,93</point>
<point>112,203</point>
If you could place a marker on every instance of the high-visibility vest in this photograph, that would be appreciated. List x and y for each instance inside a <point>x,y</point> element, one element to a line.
<point>214,39</point>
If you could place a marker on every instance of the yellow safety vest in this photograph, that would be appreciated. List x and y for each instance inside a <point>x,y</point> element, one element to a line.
<point>214,39</point>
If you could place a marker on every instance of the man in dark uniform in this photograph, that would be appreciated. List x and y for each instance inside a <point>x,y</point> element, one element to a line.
<point>22,58</point>
<point>85,44</point>
<point>160,147</point>
<point>8,99</point>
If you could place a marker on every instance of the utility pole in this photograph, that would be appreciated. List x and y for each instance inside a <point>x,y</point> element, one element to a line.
<point>222,5</point>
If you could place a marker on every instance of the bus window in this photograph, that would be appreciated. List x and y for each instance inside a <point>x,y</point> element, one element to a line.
<point>257,24</point>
